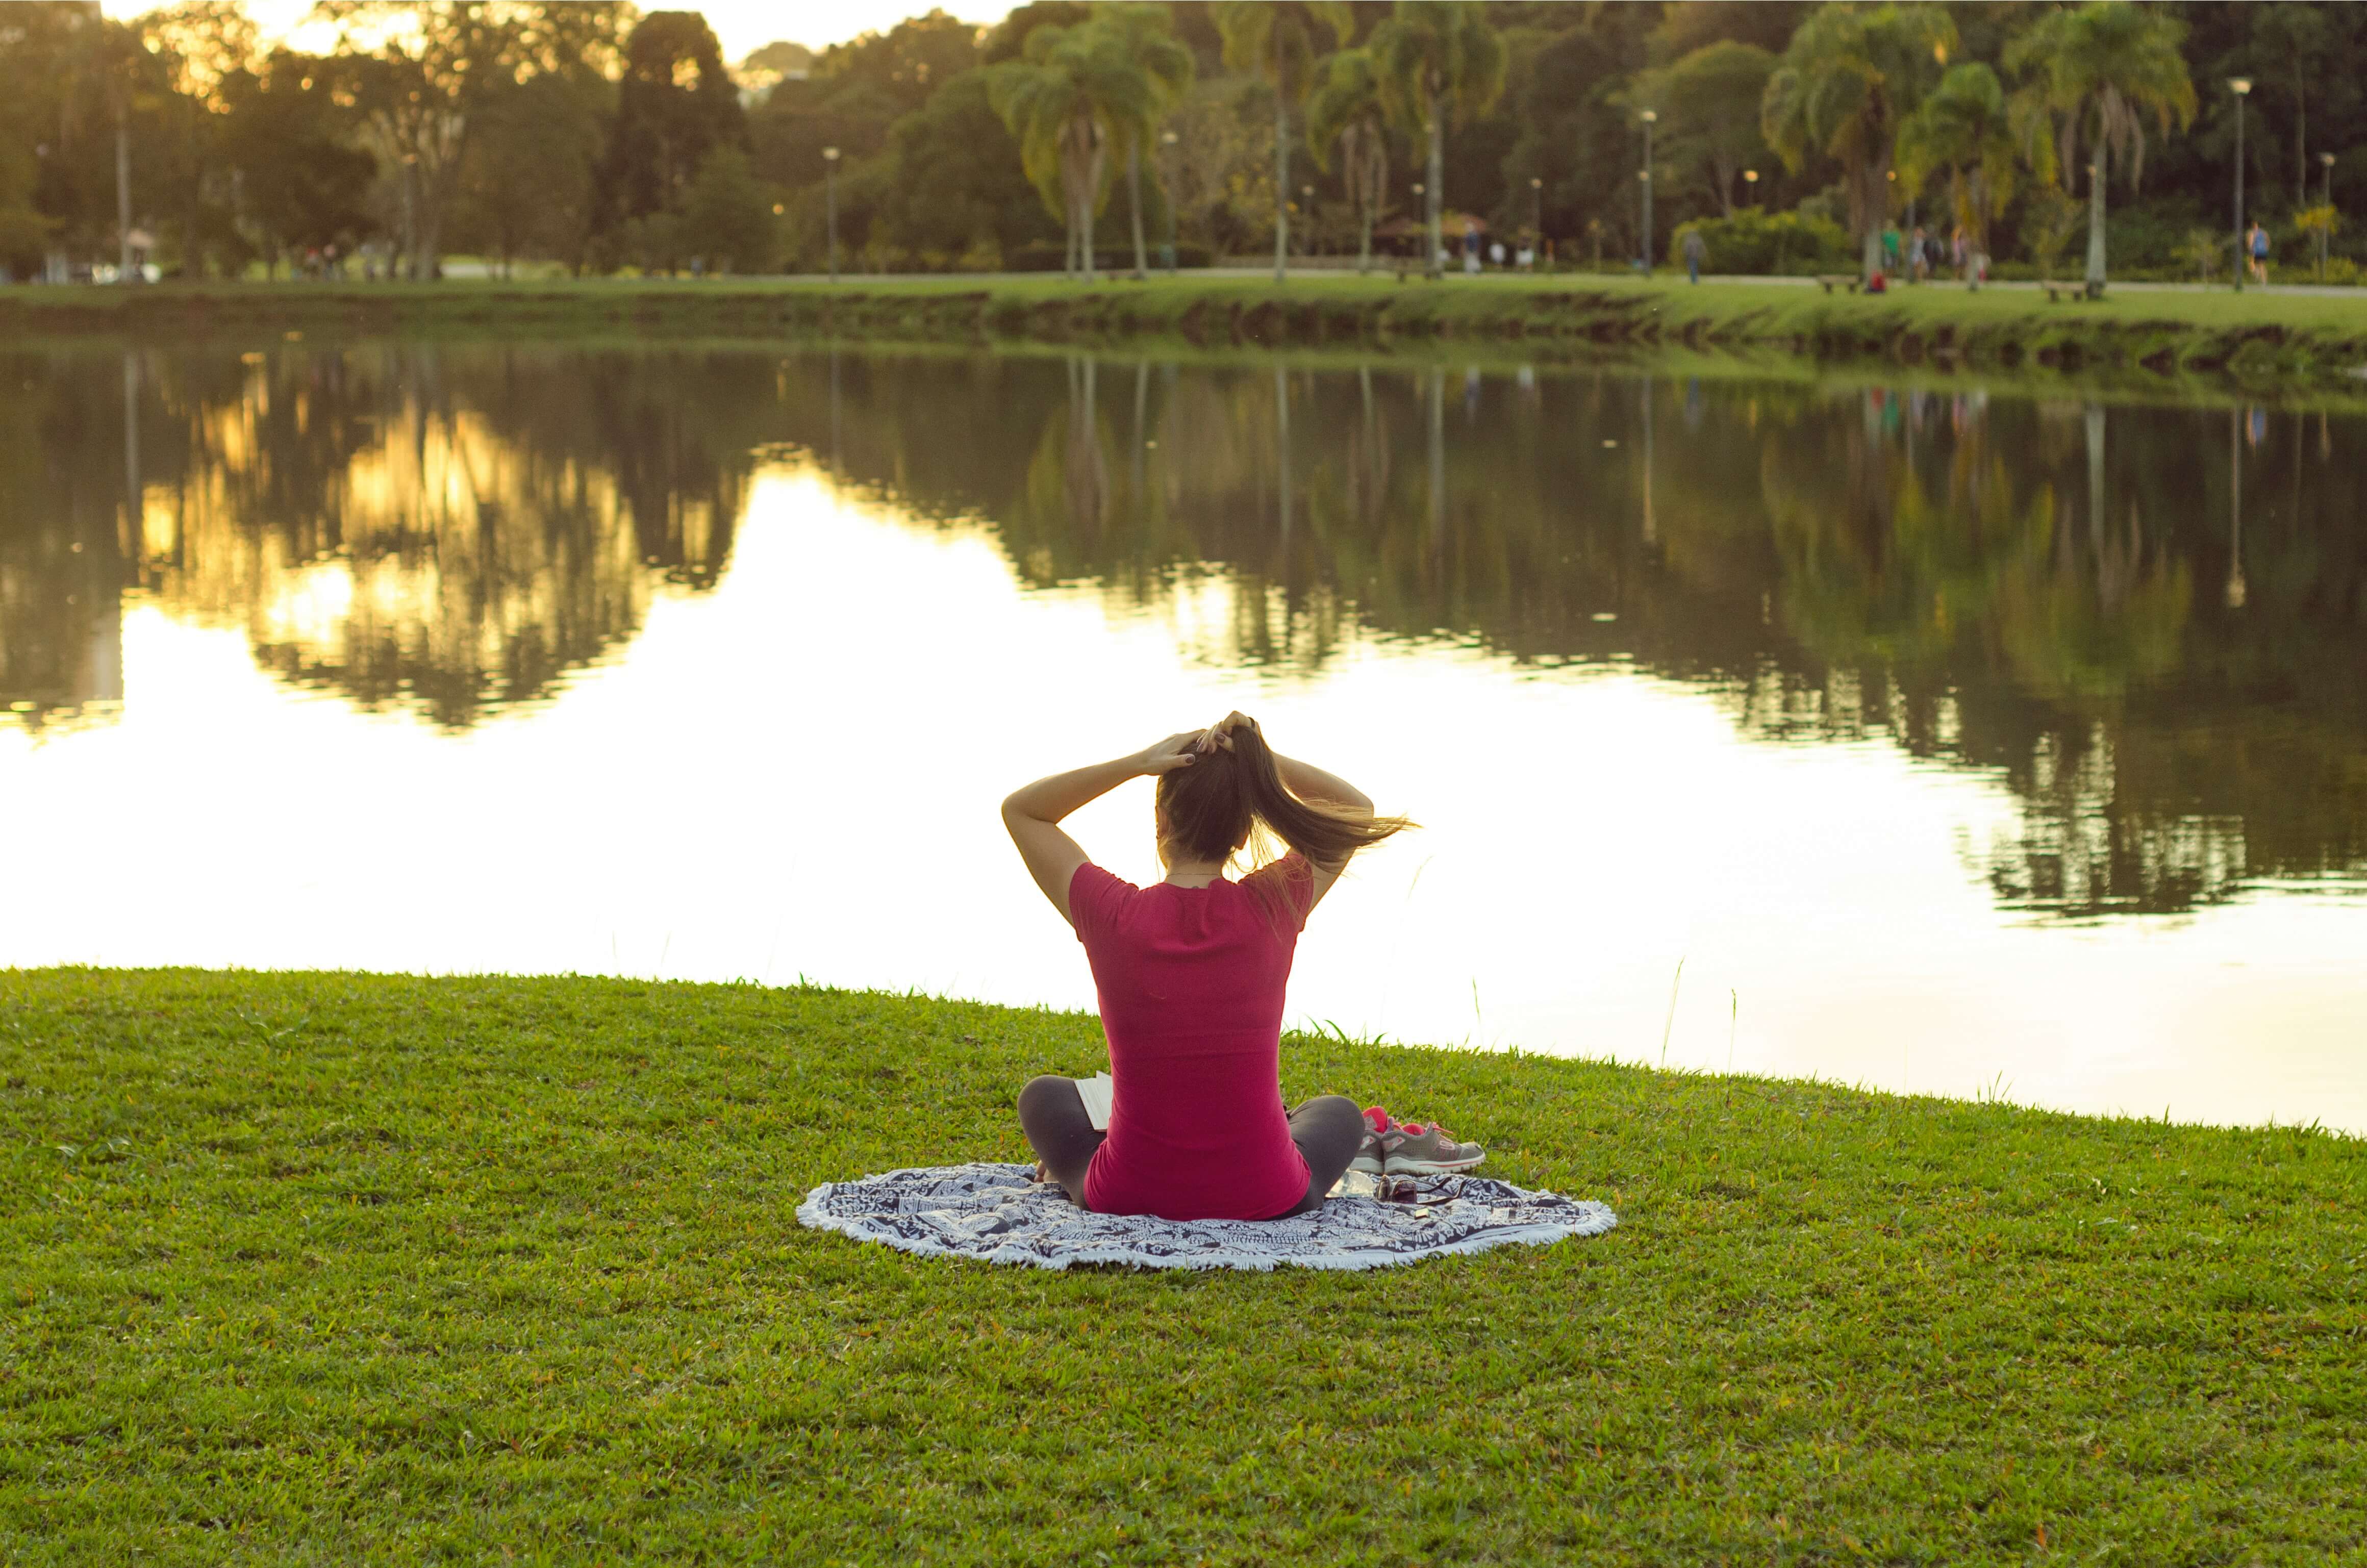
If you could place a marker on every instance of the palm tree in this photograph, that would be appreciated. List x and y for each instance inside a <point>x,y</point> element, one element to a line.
<point>1848,80</point>
<point>1060,99</point>
<point>1347,114</point>
<point>1162,70</point>
<point>1276,39</point>
<point>1437,57</point>
<point>2104,68</point>
<point>1967,127</point>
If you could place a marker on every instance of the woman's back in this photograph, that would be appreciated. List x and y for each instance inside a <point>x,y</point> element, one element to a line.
<point>1192,982</point>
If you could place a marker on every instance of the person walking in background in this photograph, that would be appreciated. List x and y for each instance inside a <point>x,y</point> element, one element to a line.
<point>1471,246</point>
<point>1917,261</point>
<point>2256,245</point>
<point>1695,250</point>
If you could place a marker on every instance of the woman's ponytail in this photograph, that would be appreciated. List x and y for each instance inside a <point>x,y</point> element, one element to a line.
<point>1325,833</point>
<point>1213,809</point>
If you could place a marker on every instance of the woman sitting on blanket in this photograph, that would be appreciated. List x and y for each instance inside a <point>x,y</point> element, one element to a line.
<point>1191,972</point>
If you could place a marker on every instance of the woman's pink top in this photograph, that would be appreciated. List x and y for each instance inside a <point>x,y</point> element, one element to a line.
<point>1191,982</point>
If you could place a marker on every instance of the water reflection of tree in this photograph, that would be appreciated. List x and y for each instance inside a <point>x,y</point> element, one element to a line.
<point>61,483</point>
<point>1991,583</point>
<point>457,529</point>
<point>2036,621</point>
<point>2005,585</point>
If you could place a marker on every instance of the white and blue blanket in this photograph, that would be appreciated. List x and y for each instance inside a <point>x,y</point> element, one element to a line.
<point>1000,1213</point>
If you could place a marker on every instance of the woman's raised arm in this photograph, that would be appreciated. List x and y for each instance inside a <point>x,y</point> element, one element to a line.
<point>1033,812</point>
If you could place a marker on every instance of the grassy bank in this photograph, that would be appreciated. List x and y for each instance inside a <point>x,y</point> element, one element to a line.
<point>2253,337</point>
<point>343,1267</point>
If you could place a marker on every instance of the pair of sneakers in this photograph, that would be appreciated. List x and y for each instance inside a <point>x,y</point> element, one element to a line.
<point>1410,1148</point>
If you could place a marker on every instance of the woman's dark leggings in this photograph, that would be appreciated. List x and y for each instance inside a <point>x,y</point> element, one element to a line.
<point>1328,1130</point>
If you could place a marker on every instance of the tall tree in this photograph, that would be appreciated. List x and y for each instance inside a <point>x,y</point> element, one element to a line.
<point>1849,79</point>
<point>2102,70</point>
<point>726,217</point>
<point>1437,59</point>
<point>1144,38</point>
<point>203,43</point>
<point>300,179</point>
<point>422,72</point>
<point>1347,114</point>
<point>530,187</point>
<point>2294,37</point>
<point>853,94</point>
<point>956,192</point>
<point>1577,131</point>
<point>1968,128</point>
<point>1062,99</point>
<point>675,105</point>
<point>1709,102</point>
<point>1275,40</point>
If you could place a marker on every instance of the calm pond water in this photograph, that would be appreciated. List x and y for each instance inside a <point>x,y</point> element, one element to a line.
<point>1955,742</point>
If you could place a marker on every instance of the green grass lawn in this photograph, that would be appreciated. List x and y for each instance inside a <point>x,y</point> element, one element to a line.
<point>2253,338</point>
<point>316,1267</point>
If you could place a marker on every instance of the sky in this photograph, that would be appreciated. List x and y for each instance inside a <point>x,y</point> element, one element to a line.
<point>741,24</point>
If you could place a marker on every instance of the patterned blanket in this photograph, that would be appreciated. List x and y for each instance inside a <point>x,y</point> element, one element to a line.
<point>999,1214</point>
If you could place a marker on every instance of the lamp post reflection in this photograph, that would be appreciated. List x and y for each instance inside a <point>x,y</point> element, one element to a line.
<point>1437,449</point>
<point>2094,421</point>
<point>2236,590</point>
<point>2242,87</point>
<point>1281,454</point>
<point>1651,525</point>
<point>829,178</point>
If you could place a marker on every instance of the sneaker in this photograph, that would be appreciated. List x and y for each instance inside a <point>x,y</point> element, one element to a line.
<point>1410,1148</point>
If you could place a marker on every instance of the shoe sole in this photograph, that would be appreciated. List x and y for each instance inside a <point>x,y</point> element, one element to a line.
<point>1368,1165</point>
<point>1432,1167</point>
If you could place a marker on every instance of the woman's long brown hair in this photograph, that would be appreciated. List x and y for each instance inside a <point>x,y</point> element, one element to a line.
<point>1213,807</point>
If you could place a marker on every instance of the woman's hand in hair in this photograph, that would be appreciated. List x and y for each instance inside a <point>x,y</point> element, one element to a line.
<point>1166,756</point>
<point>1221,732</point>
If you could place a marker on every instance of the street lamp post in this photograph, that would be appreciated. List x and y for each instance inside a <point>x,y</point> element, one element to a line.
<point>1167,139</point>
<point>410,216</point>
<point>2242,86</point>
<point>829,175</point>
<point>1418,190</point>
<point>1536,212</point>
<point>1648,117</point>
<point>2325,236</point>
<point>123,273</point>
<point>1751,187</point>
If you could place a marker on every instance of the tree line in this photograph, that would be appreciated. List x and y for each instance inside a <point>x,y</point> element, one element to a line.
<point>596,137</point>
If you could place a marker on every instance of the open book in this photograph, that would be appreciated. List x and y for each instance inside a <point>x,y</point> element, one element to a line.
<point>1096,1093</point>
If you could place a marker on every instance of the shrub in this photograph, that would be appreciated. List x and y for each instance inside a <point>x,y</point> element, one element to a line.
<point>2138,237</point>
<point>2202,250</point>
<point>1757,241</point>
